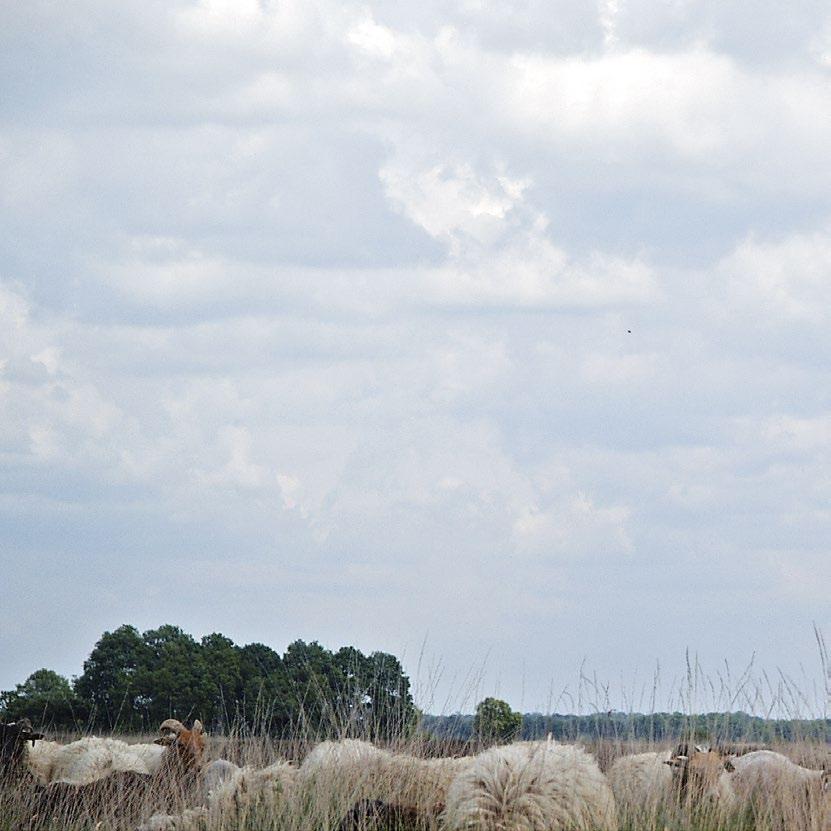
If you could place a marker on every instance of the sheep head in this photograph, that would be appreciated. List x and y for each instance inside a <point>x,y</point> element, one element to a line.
<point>185,748</point>
<point>13,737</point>
<point>699,771</point>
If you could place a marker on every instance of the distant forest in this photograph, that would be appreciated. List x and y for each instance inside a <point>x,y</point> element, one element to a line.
<point>733,727</point>
<point>132,681</point>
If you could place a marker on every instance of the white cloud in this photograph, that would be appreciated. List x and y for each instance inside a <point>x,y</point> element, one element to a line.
<point>518,303</point>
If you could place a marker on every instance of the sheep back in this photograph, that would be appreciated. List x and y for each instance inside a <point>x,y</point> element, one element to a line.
<point>640,782</point>
<point>531,786</point>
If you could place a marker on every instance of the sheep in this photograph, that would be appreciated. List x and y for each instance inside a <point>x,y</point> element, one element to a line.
<point>13,747</point>
<point>95,776</point>
<point>419,784</point>
<point>764,769</point>
<point>641,783</point>
<point>342,773</point>
<point>176,752</point>
<point>532,786</point>
<point>701,775</point>
<point>407,790</point>
<point>781,791</point>
<point>216,773</point>
<point>352,772</point>
<point>233,796</point>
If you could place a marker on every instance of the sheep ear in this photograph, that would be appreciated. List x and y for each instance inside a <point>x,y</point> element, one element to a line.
<point>197,726</point>
<point>729,766</point>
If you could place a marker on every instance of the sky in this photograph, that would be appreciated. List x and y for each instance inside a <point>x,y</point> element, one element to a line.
<point>492,334</point>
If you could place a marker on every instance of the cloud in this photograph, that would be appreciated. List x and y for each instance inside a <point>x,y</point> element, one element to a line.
<point>475,318</point>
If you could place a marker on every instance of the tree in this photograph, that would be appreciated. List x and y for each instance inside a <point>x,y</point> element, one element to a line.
<point>222,659</point>
<point>315,684</point>
<point>108,682</point>
<point>174,681</point>
<point>263,698</point>
<point>495,721</point>
<point>44,697</point>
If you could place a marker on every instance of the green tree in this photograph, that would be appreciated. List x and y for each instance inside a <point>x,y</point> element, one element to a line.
<point>222,659</point>
<point>174,682</point>
<point>315,684</point>
<point>44,698</point>
<point>108,682</point>
<point>263,697</point>
<point>495,721</point>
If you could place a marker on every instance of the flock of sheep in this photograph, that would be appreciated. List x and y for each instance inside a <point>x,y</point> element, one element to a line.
<point>525,786</point>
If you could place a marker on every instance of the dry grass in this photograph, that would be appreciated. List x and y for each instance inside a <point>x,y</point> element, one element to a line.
<point>120,805</point>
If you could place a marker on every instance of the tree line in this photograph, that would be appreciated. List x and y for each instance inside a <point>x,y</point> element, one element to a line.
<point>653,727</point>
<point>133,681</point>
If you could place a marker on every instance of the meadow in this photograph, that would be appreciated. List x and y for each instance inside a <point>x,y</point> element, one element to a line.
<point>403,779</point>
<point>324,804</point>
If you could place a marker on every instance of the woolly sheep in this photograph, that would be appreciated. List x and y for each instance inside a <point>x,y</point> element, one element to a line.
<point>92,758</point>
<point>337,775</point>
<point>419,784</point>
<point>531,786</point>
<point>766,769</point>
<point>641,783</point>
<point>248,788</point>
<point>233,793</point>
<point>787,794</point>
<point>215,774</point>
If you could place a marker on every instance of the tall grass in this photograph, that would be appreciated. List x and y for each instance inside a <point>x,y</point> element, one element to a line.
<point>117,806</point>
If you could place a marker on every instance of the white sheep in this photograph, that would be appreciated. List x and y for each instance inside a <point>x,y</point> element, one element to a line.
<point>766,769</point>
<point>249,788</point>
<point>531,786</point>
<point>418,784</point>
<point>90,759</point>
<point>780,789</point>
<point>234,794</point>
<point>641,783</point>
<point>337,775</point>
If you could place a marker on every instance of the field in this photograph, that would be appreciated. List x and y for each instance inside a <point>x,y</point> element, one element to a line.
<point>323,803</point>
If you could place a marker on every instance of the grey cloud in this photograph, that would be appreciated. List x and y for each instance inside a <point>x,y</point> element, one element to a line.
<point>503,325</point>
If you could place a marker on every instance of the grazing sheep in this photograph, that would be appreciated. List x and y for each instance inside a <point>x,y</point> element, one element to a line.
<point>533,786</point>
<point>93,758</point>
<point>251,789</point>
<point>641,783</point>
<point>408,791</point>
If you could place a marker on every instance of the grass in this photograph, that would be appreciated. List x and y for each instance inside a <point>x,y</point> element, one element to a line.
<point>319,805</point>
<point>118,808</point>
